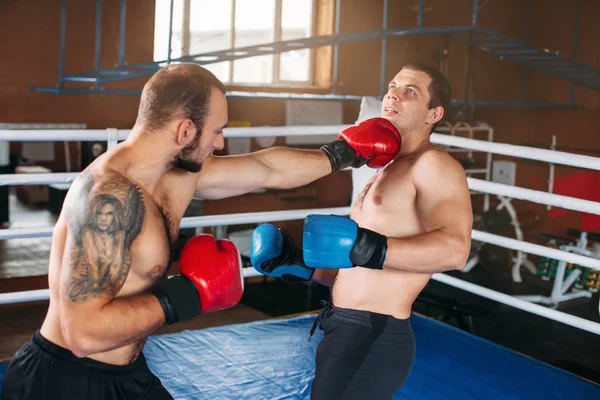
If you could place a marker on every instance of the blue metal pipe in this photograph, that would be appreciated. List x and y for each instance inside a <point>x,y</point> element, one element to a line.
<point>526,38</point>
<point>88,79</point>
<point>542,57</point>
<point>586,76</point>
<point>170,32</point>
<point>87,91</point>
<point>571,69</point>
<point>499,103</point>
<point>120,69</point>
<point>475,13</point>
<point>118,78</point>
<point>299,96</point>
<point>468,61</point>
<point>98,36</point>
<point>273,48</point>
<point>63,28</point>
<point>113,75</point>
<point>420,13</point>
<point>122,32</point>
<point>550,63</point>
<point>511,52</point>
<point>336,49</point>
<point>575,46</point>
<point>309,43</point>
<point>547,62</point>
<point>382,77</point>
<point>494,45</point>
<point>550,57</point>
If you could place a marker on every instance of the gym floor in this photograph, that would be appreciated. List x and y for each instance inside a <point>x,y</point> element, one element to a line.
<point>543,339</point>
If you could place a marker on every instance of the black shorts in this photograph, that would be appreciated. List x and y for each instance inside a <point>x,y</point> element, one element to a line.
<point>363,355</point>
<point>43,370</point>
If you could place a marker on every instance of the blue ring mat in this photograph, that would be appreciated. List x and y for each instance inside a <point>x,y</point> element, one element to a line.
<point>273,359</point>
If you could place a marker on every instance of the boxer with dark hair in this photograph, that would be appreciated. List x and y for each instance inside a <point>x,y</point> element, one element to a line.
<point>412,219</point>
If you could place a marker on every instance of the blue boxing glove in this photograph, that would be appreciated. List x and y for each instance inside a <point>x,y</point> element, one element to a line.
<point>331,241</point>
<point>273,252</point>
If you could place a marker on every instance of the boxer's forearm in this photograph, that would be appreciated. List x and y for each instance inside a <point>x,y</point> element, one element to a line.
<point>113,325</point>
<point>432,252</point>
<point>292,168</point>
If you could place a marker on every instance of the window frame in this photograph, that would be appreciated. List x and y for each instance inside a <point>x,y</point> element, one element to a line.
<point>276,72</point>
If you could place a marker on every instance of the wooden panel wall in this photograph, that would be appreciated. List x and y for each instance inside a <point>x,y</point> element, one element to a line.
<point>30,57</point>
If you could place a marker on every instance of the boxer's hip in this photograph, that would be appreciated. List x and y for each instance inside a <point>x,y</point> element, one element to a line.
<point>362,355</point>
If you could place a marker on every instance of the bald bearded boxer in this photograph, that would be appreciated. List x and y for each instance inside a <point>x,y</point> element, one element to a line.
<point>412,219</point>
<point>115,238</point>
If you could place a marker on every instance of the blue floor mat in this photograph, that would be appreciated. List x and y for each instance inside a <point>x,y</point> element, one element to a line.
<point>273,360</point>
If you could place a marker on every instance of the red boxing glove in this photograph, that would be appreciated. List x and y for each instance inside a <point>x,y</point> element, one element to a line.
<point>375,142</point>
<point>215,267</point>
<point>211,280</point>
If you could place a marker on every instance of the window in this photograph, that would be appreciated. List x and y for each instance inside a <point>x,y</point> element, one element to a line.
<point>201,26</point>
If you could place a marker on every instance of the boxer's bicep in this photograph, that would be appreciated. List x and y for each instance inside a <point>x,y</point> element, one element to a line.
<point>103,218</point>
<point>272,168</point>
<point>227,176</point>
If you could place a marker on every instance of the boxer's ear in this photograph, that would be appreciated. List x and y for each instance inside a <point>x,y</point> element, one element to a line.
<point>435,114</point>
<point>186,131</point>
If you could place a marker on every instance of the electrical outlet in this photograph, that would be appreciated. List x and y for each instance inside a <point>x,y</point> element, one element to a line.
<point>504,172</point>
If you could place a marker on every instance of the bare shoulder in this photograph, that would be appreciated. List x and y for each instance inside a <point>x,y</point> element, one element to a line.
<point>437,164</point>
<point>93,188</point>
<point>435,157</point>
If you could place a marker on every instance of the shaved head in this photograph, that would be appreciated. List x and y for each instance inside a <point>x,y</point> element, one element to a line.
<point>177,91</point>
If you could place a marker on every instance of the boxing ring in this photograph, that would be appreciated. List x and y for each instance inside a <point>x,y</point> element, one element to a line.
<point>273,359</point>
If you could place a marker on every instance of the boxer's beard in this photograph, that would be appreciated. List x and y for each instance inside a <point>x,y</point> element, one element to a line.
<point>185,159</point>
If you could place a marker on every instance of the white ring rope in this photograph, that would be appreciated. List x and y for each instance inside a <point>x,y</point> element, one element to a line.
<point>550,156</point>
<point>531,248</point>
<point>94,135</point>
<point>37,179</point>
<point>203,221</point>
<point>270,216</point>
<point>25,296</point>
<point>44,294</point>
<point>531,153</point>
<point>535,196</point>
<point>258,217</point>
<point>539,197</point>
<point>568,319</point>
<point>25,233</point>
<point>533,308</point>
<point>62,135</point>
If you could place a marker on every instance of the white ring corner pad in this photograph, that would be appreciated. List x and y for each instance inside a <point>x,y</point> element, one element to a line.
<point>370,107</point>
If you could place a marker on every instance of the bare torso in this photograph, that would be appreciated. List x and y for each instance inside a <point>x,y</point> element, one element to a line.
<point>386,205</point>
<point>147,261</point>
